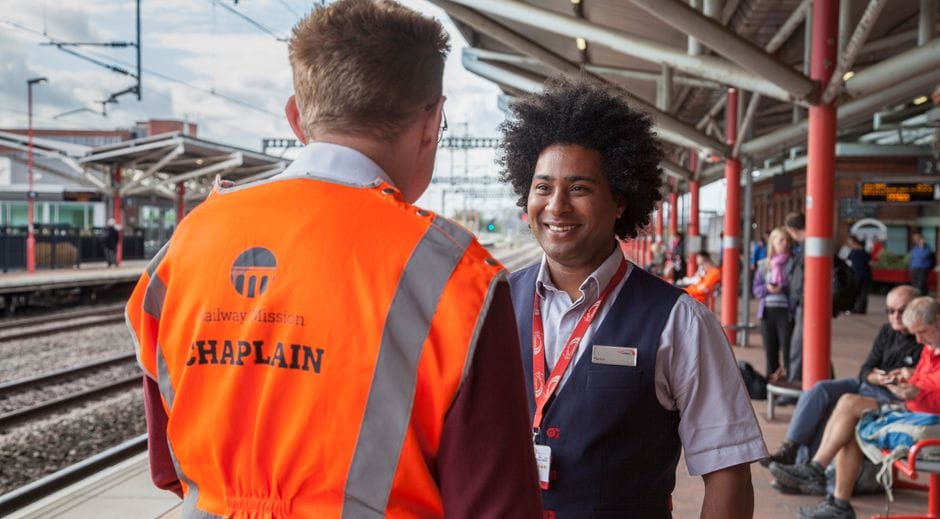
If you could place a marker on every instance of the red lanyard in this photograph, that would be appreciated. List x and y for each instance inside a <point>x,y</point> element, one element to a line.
<point>545,390</point>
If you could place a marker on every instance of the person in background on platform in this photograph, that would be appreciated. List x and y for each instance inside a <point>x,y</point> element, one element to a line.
<point>775,308</point>
<point>861,263</point>
<point>894,349</point>
<point>919,388</point>
<point>922,260</point>
<point>109,242</point>
<point>677,257</point>
<point>707,277</point>
<point>398,394</point>
<point>658,262</point>
<point>795,224</point>
<point>623,370</point>
<point>759,251</point>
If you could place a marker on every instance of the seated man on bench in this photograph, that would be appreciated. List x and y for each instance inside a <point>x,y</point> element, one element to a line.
<point>918,388</point>
<point>894,348</point>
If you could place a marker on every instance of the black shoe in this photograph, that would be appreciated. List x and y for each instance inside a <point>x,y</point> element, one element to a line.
<point>827,509</point>
<point>805,478</point>
<point>785,455</point>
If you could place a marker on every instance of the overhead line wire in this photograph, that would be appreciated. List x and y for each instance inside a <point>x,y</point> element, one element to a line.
<point>159,74</point>
<point>249,19</point>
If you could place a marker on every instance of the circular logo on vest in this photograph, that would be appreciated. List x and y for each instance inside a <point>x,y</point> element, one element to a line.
<point>253,271</point>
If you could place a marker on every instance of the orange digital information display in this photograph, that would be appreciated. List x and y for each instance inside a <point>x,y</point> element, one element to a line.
<point>899,192</point>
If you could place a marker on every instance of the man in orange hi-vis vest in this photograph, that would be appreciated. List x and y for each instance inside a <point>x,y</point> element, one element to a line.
<point>702,285</point>
<point>317,346</point>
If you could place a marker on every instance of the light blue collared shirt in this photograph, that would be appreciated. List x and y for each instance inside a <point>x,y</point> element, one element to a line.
<point>336,163</point>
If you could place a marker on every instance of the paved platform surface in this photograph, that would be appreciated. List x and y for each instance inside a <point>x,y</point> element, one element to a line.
<point>88,274</point>
<point>120,492</point>
<point>126,490</point>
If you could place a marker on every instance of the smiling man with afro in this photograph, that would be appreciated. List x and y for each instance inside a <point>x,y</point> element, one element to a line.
<point>658,375</point>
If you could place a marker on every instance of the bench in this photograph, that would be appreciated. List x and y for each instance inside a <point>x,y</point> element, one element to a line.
<point>738,328</point>
<point>773,391</point>
<point>910,466</point>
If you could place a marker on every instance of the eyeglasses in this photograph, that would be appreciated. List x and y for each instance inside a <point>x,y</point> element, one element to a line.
<point>440,135</point>
<point>898,311</point>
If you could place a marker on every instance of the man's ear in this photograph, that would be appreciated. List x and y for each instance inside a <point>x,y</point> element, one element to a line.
<point>293,117</point>
<point>432,124</point>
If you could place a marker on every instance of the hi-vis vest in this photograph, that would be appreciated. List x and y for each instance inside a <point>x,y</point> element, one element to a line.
<point>308,339</point>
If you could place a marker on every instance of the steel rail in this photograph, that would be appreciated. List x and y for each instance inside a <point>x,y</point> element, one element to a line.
<point>23,383</point>
<point>21,415</point>
<point>6,324</point>
<point>72,324</point>
<point>32,492</point>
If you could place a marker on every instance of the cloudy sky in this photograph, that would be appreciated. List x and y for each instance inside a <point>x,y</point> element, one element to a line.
<point>201,62</point>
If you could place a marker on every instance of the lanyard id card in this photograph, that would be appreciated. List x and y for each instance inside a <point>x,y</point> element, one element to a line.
<point>543,459</point>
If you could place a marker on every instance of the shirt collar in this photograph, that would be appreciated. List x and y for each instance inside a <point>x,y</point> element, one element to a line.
<point>336,163</point>
<point>592,285</point>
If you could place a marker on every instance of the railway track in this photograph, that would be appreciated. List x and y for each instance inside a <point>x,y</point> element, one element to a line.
<point>48,407</point>
<point>49,324</point>
<point>58,376</point>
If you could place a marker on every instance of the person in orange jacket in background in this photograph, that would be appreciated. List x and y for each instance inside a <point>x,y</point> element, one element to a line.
<point>313,344</point>
<point>702,285</point>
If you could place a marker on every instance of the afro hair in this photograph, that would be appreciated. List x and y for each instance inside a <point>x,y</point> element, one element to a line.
<point>594,117</point>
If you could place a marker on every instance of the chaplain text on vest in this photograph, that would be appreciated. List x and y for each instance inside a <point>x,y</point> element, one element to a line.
<point>238,352</point>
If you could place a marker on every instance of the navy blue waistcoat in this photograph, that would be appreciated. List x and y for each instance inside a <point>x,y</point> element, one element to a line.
<point>614,447</point>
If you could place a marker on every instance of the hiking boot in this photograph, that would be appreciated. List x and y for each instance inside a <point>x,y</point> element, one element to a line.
<point>805,478</point>
<point>828,509</point>
<point>785,455</point>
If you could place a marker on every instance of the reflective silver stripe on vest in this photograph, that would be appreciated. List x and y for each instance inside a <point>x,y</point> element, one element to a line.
<point>155,262</point>
<point>151,268</point>
<point>192,493</point>
<point>391,396</point>
<point>154,297</point>
<point>163,378</point>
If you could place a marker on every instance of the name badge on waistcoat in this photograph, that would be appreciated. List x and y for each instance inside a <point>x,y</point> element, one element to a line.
<point>614,355</point>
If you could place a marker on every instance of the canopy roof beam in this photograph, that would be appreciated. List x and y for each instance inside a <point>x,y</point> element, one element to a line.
<point>739,50</point>
<point>626,73</point>
<point>152,170</point>
<point>229,161</point>
<point>847,114</point>
<point>128,150</point>
<point>668,128</point>
<point>908,65</point>
<point>709,67</point>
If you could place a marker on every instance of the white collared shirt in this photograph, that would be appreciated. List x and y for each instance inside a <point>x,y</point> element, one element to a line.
<point>336,163</point>
<point>696,373</point>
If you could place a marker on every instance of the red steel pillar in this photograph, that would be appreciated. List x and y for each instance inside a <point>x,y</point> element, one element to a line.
<point>820,180</point>
<point>118,214</point>
<point>732,224</point>
<point>659,221</point>
<point>693,213</point>
<point>180,202</point>
<point>673,211</point>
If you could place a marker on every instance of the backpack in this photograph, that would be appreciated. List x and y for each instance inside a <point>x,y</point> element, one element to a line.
<point>844,286</point>
<point>894,429</point>
<point>754,382</point>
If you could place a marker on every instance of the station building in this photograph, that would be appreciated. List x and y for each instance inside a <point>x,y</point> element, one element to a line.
<point>145,177</point>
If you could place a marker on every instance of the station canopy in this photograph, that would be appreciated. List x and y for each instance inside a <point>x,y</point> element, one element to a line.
<point>154,165</point>
<point>676,59</point>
